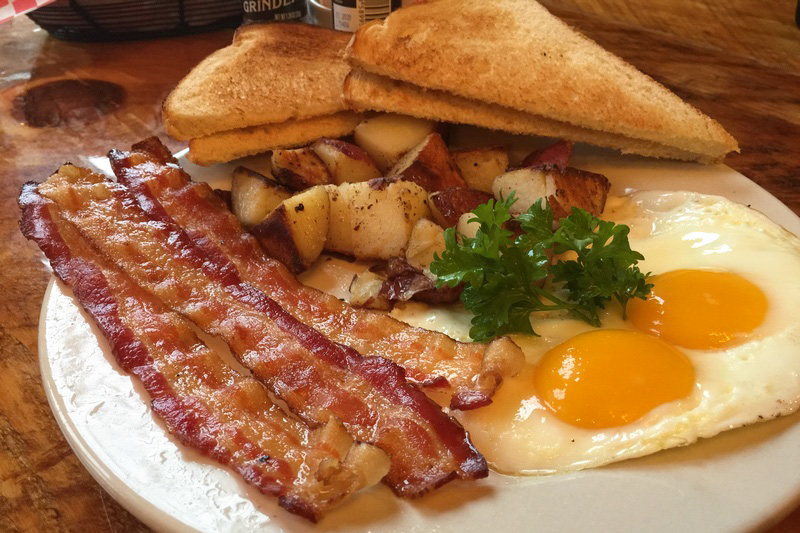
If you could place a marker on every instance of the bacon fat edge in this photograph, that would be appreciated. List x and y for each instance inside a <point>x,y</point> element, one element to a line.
<point>204,402</point>
<point>472,371</point>
<point>317,378</point>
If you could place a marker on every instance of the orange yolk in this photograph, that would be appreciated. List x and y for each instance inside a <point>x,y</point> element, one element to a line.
<point>700,309</point>
<point>610,378</point>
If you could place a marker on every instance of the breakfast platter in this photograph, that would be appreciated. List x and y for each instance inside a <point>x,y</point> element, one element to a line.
<point>394,296</point>
<point>736,481</point>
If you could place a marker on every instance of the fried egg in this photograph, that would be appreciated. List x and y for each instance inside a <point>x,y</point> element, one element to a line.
<point>715,347</point>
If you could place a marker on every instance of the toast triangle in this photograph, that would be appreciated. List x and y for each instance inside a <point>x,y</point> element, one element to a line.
<point>270,73</point>
<point>364,91</point>
<point>515,54</point>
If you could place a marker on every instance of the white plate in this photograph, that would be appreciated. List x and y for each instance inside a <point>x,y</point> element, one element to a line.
<point>743,479</point>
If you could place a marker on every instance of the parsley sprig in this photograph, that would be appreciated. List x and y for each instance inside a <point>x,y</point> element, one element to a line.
<point>502,273</point>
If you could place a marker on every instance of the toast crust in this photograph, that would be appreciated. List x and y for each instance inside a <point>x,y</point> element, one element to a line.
<point>233,144</point>
<point>519,56</point>
<point>270,73</point>
<point>369,92</point>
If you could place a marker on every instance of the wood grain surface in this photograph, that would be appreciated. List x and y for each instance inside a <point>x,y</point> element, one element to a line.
<point>738,61</point>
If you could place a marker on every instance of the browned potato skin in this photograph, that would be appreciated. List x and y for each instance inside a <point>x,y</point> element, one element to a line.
<point>275,236</point>
<point>405,282</point>
<point>571,187</point>
<point>480,166</point>
<point>430,165</point>
<point>557,154</point>
<point>299,169</point>
<point>448,205</point>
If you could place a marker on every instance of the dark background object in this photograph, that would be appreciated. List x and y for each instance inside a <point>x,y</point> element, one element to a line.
<point>278,11</point>
<point>108,20</point>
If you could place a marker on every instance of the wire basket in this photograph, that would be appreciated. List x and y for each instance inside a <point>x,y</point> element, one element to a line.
<point>109,20</point>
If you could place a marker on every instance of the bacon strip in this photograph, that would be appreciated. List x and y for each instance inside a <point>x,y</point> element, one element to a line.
<point>205,403</point>
<point>468,372</point>
<point>314,376</point>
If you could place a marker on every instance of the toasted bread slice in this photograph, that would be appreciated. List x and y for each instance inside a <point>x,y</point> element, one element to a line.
<point>515,54</point>
<point>271,73</point>
<point>233,144</point>
<point>369,92</point>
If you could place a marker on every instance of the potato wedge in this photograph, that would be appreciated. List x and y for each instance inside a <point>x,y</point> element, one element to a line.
<point>300,169</point>
<point>346,162</point>
<point>254,195</point>
<point>429,165</point>
<point>528,185</point>
<point>374,220</point>
<point>448,205</point>
<point>387,137</point>
<point>426,240</point>
<point>480,166</point>
<point>296,230</point>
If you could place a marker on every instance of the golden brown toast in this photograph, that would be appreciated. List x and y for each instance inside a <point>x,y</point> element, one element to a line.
<point>370,92</point>
<point>515,54</point>
<point>271,73</point>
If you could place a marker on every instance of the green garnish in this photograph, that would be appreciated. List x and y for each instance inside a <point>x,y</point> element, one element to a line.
<point>502,273</point>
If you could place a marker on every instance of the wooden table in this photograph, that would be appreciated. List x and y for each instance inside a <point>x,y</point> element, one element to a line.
<point>738,61</point>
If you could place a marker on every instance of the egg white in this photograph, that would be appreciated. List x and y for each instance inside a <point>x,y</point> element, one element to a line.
<point>754,381</point>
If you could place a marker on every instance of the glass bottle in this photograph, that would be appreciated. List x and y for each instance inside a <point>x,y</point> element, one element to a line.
<point>273,10</point>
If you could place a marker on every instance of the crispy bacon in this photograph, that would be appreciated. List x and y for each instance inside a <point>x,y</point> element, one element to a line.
<point>431,359</point>
<point>204,402</point>
<point>317,378</point>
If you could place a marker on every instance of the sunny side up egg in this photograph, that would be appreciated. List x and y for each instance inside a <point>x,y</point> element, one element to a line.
<point>716,347</point>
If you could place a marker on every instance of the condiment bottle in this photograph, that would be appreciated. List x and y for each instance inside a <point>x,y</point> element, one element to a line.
<point>348,15</point>
<point>273,10</point>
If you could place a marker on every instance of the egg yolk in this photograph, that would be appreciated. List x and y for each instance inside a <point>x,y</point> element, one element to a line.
<point>700,309</point>
<point>610,378</point>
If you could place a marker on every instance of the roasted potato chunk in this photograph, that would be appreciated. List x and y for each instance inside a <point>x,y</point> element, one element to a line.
<point>427,239</point>
<point>480,166</point>
<point>429,165</point>
<point>296,230</point>
<point>528,185</point>
<point>365,291</point>
<point>387,137</point>
<point>346,162</point>
<point>467,225</point>
<point>564,189</point>
<point>374,220</point>
<point>254,195</point>
<point>300,169</point>
<point>571,187</point>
